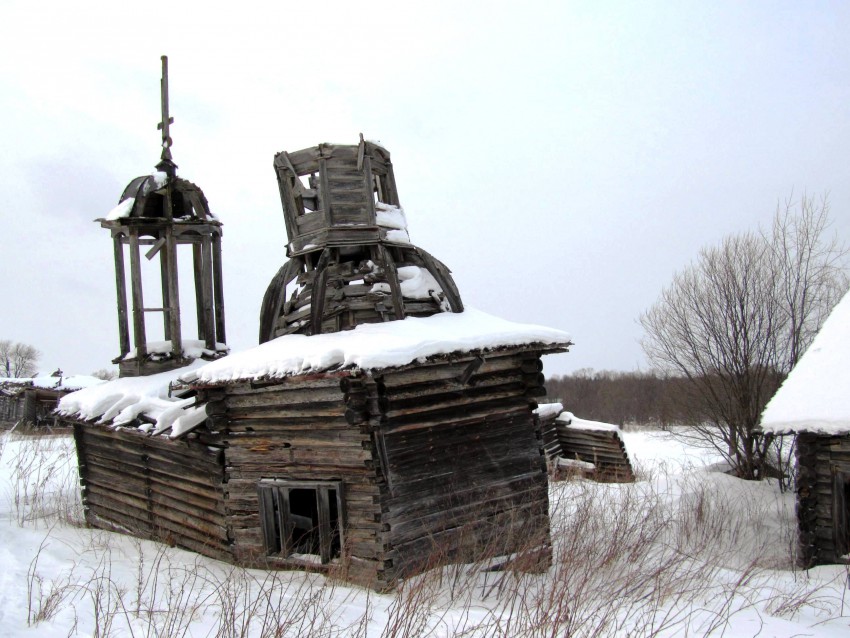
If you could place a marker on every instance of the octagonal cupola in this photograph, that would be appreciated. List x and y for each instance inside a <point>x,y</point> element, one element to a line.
<point>158,217</point>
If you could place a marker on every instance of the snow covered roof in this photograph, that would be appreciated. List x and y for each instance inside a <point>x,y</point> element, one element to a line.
<point>569,419</point>
<point>366,347</point>
<point>376,346</point>
<point>816,395</point>
<point>70,383</point>
<point>120,401</point>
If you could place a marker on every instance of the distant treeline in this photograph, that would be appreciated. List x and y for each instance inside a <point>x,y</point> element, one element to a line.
<point>617,397</point>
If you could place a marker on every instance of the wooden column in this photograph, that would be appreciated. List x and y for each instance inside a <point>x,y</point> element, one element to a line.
<point>173,308</point>
<point>173,291</point>
<point>166,297</point>
<point>139,337</point>
<point>121,290</point>
<point>198,269</point>
<point>218,290</point>
<point>209,319</point>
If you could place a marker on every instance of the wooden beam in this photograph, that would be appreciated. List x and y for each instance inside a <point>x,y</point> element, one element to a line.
<point>121,291</point>
<point>139,337</point>
<point>325,204</point>
<point>173,295</point>
<point>207,281</point>
<point>155,249</point>
<point>392,194</point>
<point>218,289</point>
<point>163,273</point>
<point>198,271</point>
<point>274,297</point>
<point>370,190</point>
<point>317,308</point>
<point>385,259</point>
<point>443,277</point>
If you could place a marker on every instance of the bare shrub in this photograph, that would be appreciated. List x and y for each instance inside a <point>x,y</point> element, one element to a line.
<point>674,556</point>
<point>45,597</point>
<point>45,487</point>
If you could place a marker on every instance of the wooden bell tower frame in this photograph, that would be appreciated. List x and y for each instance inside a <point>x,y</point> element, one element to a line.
<point>163,211</point>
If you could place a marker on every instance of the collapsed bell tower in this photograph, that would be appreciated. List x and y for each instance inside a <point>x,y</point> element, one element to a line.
<point>351,260</point>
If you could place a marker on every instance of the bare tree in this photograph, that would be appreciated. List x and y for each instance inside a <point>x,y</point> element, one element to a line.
<point>105,374</point>
<point>17,359</point>
<point>734,323</point>
<point>810,268</point>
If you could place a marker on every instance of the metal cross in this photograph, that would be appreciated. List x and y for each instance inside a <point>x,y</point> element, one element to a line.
<point>166,119</point>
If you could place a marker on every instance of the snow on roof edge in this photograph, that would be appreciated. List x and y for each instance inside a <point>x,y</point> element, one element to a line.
<point>814,398</point>
<point>813,426</point>
<point>545,410</point>
<point>374,346</point>
<point>366,347</point>
<point>68,383</point>
<point>576,423</point>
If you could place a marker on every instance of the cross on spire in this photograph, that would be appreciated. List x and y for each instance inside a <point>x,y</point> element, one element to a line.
<point>167,120</point>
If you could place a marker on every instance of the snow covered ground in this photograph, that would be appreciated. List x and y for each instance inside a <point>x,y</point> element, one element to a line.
<point>684,551</point>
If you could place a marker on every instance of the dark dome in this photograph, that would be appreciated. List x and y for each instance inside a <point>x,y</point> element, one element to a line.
<point>148,191</point>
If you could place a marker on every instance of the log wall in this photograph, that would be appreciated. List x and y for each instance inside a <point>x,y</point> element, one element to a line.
<point>438,462</point>
<point>297,429</point>
<point>11,408</point>
<point>823,473</point>
<point>154,488</point>
<point>463,470</point>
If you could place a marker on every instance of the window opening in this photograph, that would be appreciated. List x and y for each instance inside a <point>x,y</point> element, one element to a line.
<point>301,517</point>
<point>378,189</point>
<point>304,513</point>
<point>307,191</point>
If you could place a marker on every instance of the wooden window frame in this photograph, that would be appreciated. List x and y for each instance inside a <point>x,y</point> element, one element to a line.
<point>276,518</point>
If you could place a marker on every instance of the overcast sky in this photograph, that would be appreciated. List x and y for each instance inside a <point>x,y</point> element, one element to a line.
<point>564,159</point>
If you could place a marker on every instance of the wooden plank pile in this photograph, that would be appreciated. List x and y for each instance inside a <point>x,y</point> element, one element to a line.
<point>602,446</point>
